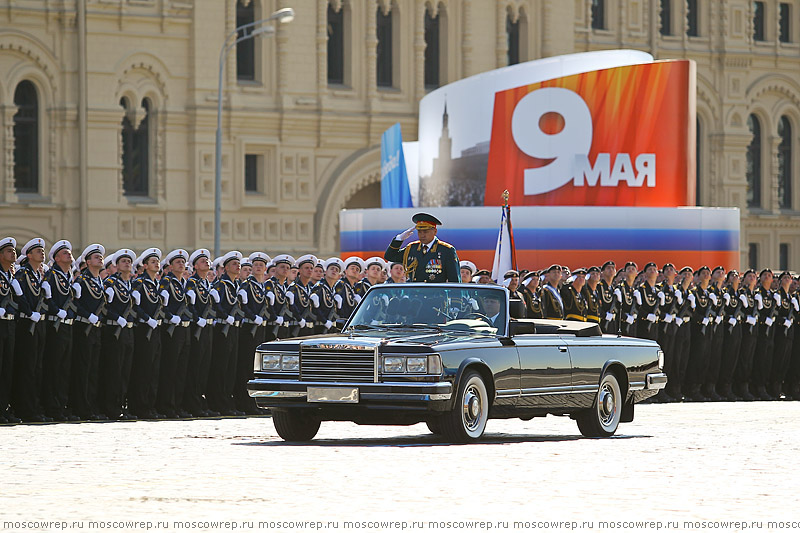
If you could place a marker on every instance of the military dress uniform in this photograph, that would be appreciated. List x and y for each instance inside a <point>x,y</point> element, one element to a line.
<point>628,311</point>
<point>8,312</point>
<point>175,342</point>
<point>648,299</point>
<point>574,303</point>
<point>765,342</point>
<point>702,322</point>
<point>201,341</point>
<point>435,262</point>
<point>683,341</point>
<point>744,367</point>
<point>226,345</point>
<point>327,312</point>
<point>716,341</point>
<point>251,334</point>
<point>281,309</point>
<point>667,327</point>
<point>117,343</point>
<point>733,310</point>
<point>592,299</point>
<point>552,303</point>
<point>784,335</point>
<point>608,307</point>
<point>302,305</point>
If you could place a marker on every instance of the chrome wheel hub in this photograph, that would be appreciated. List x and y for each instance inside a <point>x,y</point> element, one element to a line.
<point>606,405</point>
<point>472,409</point>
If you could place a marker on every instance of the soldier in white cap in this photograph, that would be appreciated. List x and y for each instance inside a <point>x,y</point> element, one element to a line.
<point>277,286</point>
<point>301,299</point>
<point>30,333</point>
<point>327,312</point>
<point>108,267</point>
<point>226,337</point>
<point>198,289</point>
<point>147,339</point>
<point>397,273</point>
<point>345,294</point>
<point>8,312</point>
<point>374,267</point>
<point>57,362</point>
<point>468,270</point>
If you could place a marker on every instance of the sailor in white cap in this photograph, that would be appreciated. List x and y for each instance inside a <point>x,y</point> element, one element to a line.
<point>90,300</point>
<point>30,332</point>
<point>8,311</point>
<point>397,273</point>
<point>373,266</point>
<point>347,299</point>
<point>57,361</point>
<point>118,337</point>
<point>327,312</point>
<point>109,268</point>
<point>468,270</point>
<point>277,286</point>
<point>302,300</point>
<point>175,339</point>
<point>199,292</point>
<point>226,337</point>
<point>246,268</point>
<point>318,273</point>
<point>147,340</point>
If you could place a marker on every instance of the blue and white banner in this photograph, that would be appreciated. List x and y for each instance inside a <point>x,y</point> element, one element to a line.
<point>504,252</point>
<point>395,191</point>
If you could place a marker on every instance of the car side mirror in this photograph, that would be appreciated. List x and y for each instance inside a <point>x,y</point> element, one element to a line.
<point>516,308</point>
<point>521,328</point>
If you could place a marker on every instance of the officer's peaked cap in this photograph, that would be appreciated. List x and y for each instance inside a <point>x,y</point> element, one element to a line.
<point>147,254</point>
<point>357,260</point>
<point>57,247</point>
<point>333,261</point>
<point>123,252</point>
<point>197,254</point>
<point>283,258</point>
<point>259,256</point>
<point>308,258</point>
<point>174,254</point>
<point>230,256</point>
<point>375,261</point>
<point>469,265</point>
<point>32,245</point>
<point>93,249</point>
<point>425,221</point>
<point>8,241</point>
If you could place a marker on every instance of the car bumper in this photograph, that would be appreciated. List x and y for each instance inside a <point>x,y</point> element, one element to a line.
<point>651,382</point>
<point>273,391</point>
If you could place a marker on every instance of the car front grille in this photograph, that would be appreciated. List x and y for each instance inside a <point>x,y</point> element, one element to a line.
<point>337,365</point>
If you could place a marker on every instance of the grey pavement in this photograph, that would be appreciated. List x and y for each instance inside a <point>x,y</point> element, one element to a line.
<point>712,461</point>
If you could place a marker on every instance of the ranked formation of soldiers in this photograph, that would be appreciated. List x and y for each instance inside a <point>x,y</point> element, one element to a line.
<point>127,336</point>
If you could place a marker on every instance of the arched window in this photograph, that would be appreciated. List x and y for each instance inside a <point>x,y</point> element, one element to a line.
<point>698,162</point>
<point>785,163</point>
<point>245,50</point>
<point>135,151</point>
<point>26,138</point>
<point>598,14</point>
<point>383,30</point>
<point>666,17</point>
<point>512,31</point>
<point>432,50</point>
<point>335,45</point>
<point>754,163</point>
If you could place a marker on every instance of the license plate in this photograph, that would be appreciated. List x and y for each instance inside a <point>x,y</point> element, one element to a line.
<point>333,395</point>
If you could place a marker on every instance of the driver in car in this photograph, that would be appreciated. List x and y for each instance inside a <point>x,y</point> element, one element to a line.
<point>493,308</point>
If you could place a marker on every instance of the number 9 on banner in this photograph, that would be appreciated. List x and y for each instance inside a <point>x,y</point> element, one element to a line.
<point>574,139</point>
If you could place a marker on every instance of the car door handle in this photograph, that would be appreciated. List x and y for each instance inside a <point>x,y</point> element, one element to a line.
<point>562,348</point>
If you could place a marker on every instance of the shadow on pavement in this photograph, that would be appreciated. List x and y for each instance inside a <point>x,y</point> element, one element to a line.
<point>430,440</point>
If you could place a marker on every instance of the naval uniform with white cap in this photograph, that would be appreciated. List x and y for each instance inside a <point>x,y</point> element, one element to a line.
<point>301,299</point>
<point>427,259</point>
<point>344,291</point>
<point>277,286</point>
<point>175,336</point>
<point>117,337</point>
<point>30,333</point>
<point>90,299</point>
<point>8,326</point>
<point>226,338</point>
<point>327,312</point>
<point>199,289</point>
<point>61,309</point>
<point>147,338</point>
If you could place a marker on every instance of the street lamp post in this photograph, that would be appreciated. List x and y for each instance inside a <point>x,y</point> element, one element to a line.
<point>249,31</point>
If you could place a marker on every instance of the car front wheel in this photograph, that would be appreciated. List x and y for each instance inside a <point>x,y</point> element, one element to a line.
<point>295,426</point>
<point>602,419</point>
<point>467,421</point>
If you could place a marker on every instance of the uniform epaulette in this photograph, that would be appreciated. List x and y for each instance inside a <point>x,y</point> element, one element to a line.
<point>446,244</point>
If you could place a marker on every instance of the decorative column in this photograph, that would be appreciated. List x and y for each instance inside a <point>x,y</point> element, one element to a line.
<point>322,47</point>
<point>502,38</point>
<point>466,40</point>
<point>419,50</point>
<point>8,149</point>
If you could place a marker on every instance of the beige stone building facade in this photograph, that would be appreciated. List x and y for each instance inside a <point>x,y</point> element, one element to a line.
<point>108,108</point>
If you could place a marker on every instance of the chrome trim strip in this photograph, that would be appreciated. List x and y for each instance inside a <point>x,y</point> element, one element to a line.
<point>276,394</point>
<point>507,393</point>
<point>637,385</point>
<point>548,390</point>
<point>404,396</point>
<point>375,364</point>
<point>559,392</point>
<point>656,381</point>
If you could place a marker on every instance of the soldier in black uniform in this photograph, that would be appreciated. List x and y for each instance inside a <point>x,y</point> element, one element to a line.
<point>8,312</point>
<point>147,339</point>
<point>734,310</point>
<point>373,267</point>
<point>744,367</point>
<point>327,312</point>
<point>668,327</point>
<point>117,338</point>
<point>608,302</point>
<point>529,289</point>
<point>226,338</point>
<point>198,290</point>
<point>344,291</point>
<point>649,300</point>
<point>765,342</point>
<point>256,309</point>
<point>683,335</point>
<point>627,301</point>
<point>784,335</point>
<point>427,259</point>
<point>717,337</point>
<point>467,270</point>
<point>57,359</point>
<point>276,288</point>
<point>552,303</point>
<point>30,334</point>
<point>591,294</point>
<point>571,295</point>
<point>701,333</point>
<point>302,300</point>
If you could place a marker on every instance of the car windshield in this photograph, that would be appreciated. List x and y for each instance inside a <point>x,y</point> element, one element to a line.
<point>446,307</point>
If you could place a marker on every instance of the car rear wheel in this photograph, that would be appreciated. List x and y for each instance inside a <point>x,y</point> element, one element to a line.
<point>467,421</point>
<point>434,425</point>
<point>295,426</point>
<point>602,419</point>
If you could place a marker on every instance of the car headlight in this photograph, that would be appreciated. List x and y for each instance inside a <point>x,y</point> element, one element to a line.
<point>270,361</point>
<point>394,365</point>
<point>290,362</point>
<point>417,365</point>
<point>661,360</point>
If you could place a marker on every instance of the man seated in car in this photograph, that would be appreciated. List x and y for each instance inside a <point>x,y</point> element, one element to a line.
<point>494,309</point>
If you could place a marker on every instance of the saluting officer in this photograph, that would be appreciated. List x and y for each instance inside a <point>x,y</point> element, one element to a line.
<point>301,299</point>
<point>591,295</point>
<point>552,303</point>
<point>117,337</point>
<point>90,300</point>
<point>327,312</point>
<point>574,303</point>
<point>226,338</point>
<point>344,291</point>
<point>8,312</point>
<point>276,288</point>
<point>198,289</point>
<point>427,259</point>
<point>147,339</point>
<point>256,309</point>
<point>609,305</point>
<point>30,333</point>
<point>57,359</point>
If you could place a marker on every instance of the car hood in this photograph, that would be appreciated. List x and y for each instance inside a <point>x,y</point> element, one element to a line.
<point>367,340</point>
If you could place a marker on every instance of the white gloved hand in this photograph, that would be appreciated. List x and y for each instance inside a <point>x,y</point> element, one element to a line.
<point>152,323</point>
<point>652,317</point>
<point>165,297</point>
<point>473,303</point>
<point>328,324</point>
<point>751,320</point>
<point>302,323</point>
<point>629,319</point>
<point>36,317</point>
<point>692,300</point>
<point>679,297</point>
<point>75,287</point>
<point>609,317</point>
<point>122,322</point>
<point>727,297</point>
<point>290,297</point>
<point>760,300</point>
<point>175,320</point>
<point>230,320</point>
<point>338,299</point>
<point>405,235</point>
<point>668,318</point>
<point>137,297</point>
<point>638,296</point>
<point>279,320</point>
<point>661,297</point>
<point>202,322</point>
<point>48,293</point>
<point>795,304</point>
<point>93,318</point>
<point>61,314</point>
<point>743,299</point>
<point>190,294</point>
<point>618,294</point>
<point>678,321</point>
<point>357,298</point>
<point>258,320</point>
<point>243,296</point>
<point>769,321</point>
<point>718,319</point>
<point>787,323</point>
<point>315,299</point>
<point>777,297</point>
<point>214,293</point>
<point>2,312</point>
<point>705,321</point>
<point>385,299</point>
<point>713,297</point>
<point>110,294</point>
<point>271,297</point>
<point>732,321</point>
